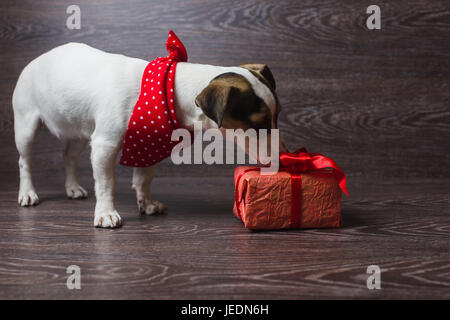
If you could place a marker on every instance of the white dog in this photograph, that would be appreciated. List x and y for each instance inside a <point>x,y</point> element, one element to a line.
<point>84,94</point>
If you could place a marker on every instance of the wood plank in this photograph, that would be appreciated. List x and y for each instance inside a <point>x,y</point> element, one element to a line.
<point>199,250</point>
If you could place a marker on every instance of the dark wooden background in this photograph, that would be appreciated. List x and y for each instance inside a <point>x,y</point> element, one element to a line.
<point>378,102</point>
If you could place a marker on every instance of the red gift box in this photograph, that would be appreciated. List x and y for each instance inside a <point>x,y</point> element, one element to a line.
<point>305,193</point>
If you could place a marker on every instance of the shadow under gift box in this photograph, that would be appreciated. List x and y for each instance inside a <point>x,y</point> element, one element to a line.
<point>267,201</point>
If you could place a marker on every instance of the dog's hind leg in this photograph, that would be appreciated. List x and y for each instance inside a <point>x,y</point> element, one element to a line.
<point>72,150</point>
<point>142,177</point>
<point>26,124</point>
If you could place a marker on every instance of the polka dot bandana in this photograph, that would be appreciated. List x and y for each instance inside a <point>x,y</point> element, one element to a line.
<point>147,139</point>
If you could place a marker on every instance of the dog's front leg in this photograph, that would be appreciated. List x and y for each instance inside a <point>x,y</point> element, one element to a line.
<point>142,177</point>
<point>103,158</point>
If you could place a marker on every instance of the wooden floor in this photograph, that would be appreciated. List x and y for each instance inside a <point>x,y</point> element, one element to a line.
<point>378,102</point>
<point>200,251</point>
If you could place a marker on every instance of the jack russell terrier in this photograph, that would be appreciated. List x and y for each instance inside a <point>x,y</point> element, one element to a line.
<point>84,94</point>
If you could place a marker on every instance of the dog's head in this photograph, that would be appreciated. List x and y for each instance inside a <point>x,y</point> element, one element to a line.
<point>242,100</point>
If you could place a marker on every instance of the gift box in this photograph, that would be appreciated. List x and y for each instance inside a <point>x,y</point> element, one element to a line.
<point>305,193</point>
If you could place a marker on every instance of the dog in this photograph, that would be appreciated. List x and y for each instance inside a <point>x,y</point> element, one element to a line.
<point>83,94</point>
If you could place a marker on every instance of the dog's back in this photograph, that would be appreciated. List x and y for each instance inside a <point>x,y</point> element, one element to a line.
<point>69,85</point>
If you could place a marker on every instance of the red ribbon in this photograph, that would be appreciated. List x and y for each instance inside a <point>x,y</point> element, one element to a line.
<point>301,162</point>
<point>296,163</point>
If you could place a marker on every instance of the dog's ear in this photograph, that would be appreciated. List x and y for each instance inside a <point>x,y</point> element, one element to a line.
<point>213,100</point>
<point>261,70</point>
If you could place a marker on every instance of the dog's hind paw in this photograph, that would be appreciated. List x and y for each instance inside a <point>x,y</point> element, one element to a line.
<point>150,207</point>
<point>28,198</point>
<point>76,192</point>
<point>108,220</point>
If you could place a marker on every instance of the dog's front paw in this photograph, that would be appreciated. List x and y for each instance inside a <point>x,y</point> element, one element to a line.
<point>28,198</point>
<point>150,207</point>
<point>108,220</point>
<point>76,191</point>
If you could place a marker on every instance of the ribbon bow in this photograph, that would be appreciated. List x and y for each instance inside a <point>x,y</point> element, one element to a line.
<point>301,161</point>
<point>175,47</point>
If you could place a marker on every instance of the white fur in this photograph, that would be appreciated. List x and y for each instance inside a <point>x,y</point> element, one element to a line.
<point>84,94</point>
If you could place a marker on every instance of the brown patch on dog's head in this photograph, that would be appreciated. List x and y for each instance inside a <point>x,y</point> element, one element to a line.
<point>263,73</point>
<point>230,101</point>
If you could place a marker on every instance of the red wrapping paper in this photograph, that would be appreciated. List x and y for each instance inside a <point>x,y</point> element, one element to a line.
<point>265,200</point>
<point>306,193</point>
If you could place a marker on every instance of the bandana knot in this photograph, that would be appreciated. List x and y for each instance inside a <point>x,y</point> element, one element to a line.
<point>147,140</point>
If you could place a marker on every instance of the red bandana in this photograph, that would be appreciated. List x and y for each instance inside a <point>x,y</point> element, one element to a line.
<point>147,139</point>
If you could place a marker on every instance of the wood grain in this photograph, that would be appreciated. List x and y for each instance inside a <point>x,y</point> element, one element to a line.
<point>378,102</point>
<point>200,251</point>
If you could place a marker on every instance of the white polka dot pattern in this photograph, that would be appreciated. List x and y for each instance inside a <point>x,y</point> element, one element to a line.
<point>151,125</point>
